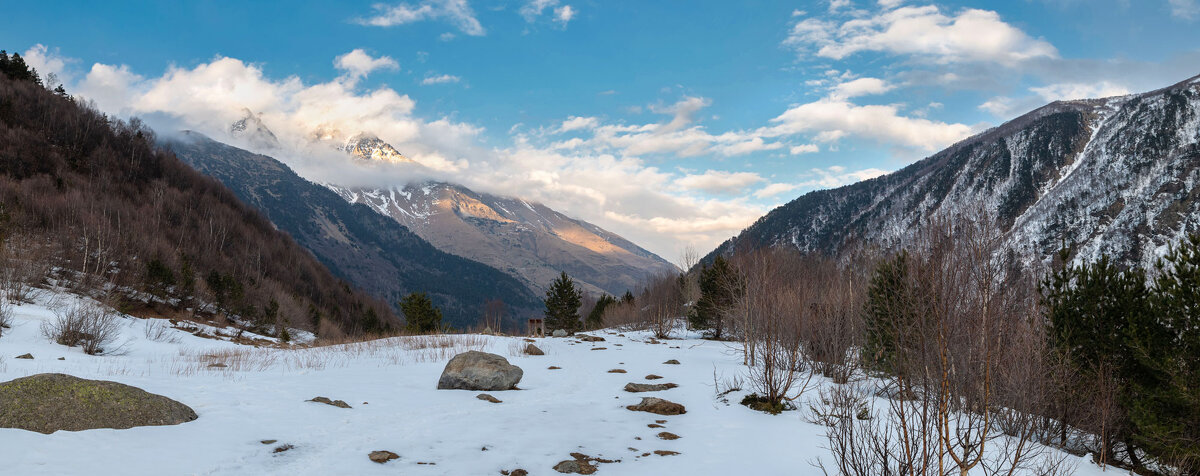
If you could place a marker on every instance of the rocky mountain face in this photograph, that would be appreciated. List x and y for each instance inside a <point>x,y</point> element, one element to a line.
<point>250,128</point>
<point>525,239</point>
<point>368,147</point>
<point>1115,176</point>
<point>374,252</point>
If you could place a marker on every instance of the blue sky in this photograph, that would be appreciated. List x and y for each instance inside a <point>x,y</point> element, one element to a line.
<point>672,123</point>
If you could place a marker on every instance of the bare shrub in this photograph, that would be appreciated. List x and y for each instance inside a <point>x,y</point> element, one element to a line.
<point>93,327</point>
<point>963,359</point>
<point>662,304</point>
<point>24,263</point>
<point>624,316</point>
<point>774,305</point>
<point>5,316</point>
<point>159,330</point>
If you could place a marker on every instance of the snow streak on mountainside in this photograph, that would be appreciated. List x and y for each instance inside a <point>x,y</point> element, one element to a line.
<point>1112,176</point>
<point>525,239</point>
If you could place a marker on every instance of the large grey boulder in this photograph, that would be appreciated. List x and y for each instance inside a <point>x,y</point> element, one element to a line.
<point>559,333</point>
<point>474,370</point>
<point>46,403</point>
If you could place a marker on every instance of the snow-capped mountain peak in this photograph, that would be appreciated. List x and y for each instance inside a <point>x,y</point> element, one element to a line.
<point>367,146</point>
<point>251,129</point>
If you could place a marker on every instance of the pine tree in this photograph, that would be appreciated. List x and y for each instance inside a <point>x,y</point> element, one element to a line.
<point>1164,406</point>
<point>719,287</point>
<point>419,313</point>
<point>627,298</point>
<point>595,319</point>
<point>890,310</point>
<point>562,305</point>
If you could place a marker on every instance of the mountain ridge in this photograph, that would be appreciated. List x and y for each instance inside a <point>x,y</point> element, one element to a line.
<point>372,251</point>
<point>1064,172</point>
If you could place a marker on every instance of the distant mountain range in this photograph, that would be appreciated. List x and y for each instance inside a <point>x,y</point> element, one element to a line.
<point>372,251</point>
<point>527,240</point>
<point>1116,176</point>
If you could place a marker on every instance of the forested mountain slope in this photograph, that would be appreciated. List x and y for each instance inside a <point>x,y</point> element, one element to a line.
<point>91,201</point>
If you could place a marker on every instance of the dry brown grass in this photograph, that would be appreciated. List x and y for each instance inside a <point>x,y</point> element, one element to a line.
<point>397,350</point>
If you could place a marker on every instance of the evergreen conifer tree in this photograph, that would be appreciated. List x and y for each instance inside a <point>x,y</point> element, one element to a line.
<point>595,319</point>
<point>419,313</point>
<point>719,287</point>
<point>562,305</point>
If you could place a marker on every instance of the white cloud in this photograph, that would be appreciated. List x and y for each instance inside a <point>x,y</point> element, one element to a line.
<point>719,181</point>
<point>564,14</point>
<point>833,118</point>
<point>1063,91</point>
<point>861,87</point>
<point>774,189</point>
<point>561,14</point>
<point>440,79</point>
<point>357,64</point>
<point>999,106</point>
<point>576,123</point>
<point>836,176</point>
<point>679,136</point>
<point>804,149</point>
<point>46,62</point>
<point>603,184</point>
<point>456,12</point>
<point>1184,9</point>
<point>924,33</point>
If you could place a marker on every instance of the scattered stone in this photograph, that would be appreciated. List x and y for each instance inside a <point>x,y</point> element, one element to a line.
<point>619,345</point>
<point>658,406</point>
<point>616,371</point>
<point>62,358</point>
<point>666,435</point>
<point>529,340</point>
<point>587,338</point>
<point>660,421</point>
<point>653,341</point>
<point>282,448</point>
<point>531,349</point>
<point>672,362</point>
<point>653,377</point>
<point>336,403</point>
<point>575,466</point>
<point>648,387</point>
<point>553,367</point>
<point>559,333</point>
<point>620,335</point>
<point>484,396</point>
<point>268,442</point>
<point>655,425</point>
<point>665,453</point>
<point>382,456</point>
<point>645,454</point>
<point>599,348</point>
<point>515,472</point>
<point>46,403</point>
<point>217,365</point>
<point>474,370</point>
<point>25,356</point>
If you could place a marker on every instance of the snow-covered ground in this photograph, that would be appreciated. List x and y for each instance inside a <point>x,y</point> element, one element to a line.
<point>261,395</point>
